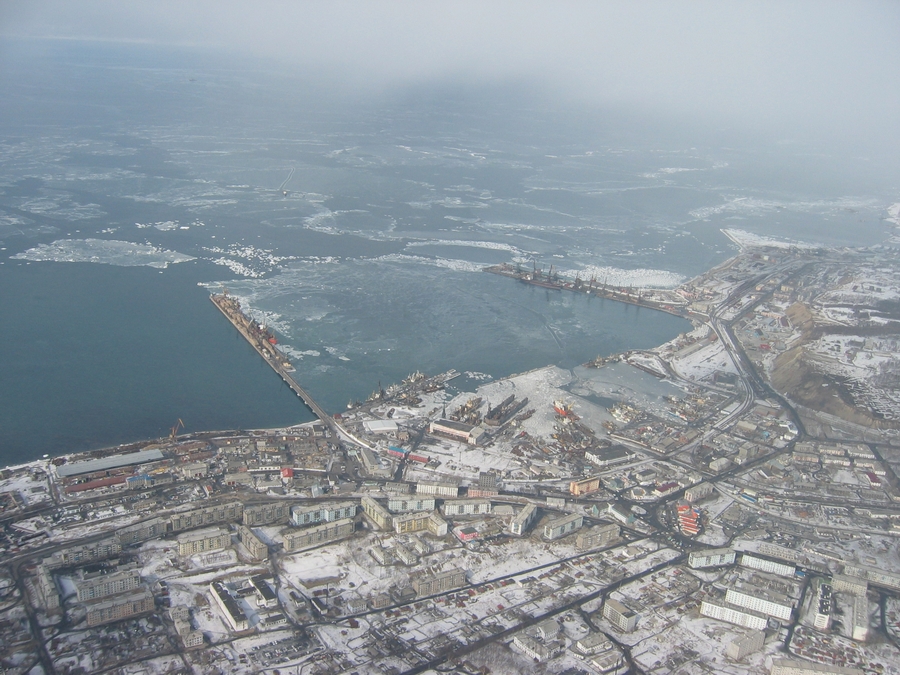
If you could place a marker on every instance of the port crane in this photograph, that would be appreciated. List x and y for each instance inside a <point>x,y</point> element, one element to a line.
<point>174,430</point>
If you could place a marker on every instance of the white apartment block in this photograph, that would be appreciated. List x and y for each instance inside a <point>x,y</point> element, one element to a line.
<point>523,519</point>
<point>560,527</point>
<point>466,507</point>
<point>711,557</point>
<point>425,487</point>
<point>405,505</point>
<point>763,565</point>
<point>759,600</point>
<point>861,618</point>
<point>107,584</point>
<point>736,615</point>
<point>619,615</point>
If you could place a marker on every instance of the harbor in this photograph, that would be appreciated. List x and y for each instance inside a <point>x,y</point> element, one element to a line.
<point>668,301</point>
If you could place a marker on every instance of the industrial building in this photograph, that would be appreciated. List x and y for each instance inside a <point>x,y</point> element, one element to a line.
<point>458,431</point>
<point>711,557</point>
<point>523,520</point>
<point>108,463</point>
<point>120,607</point>
<point>619,615</point>
<point>608,456</point>
<point>204,541</point>
<point>597,536</point>
<point>737,615</point>
<point>466,507</point>
<point>411,504</point>
<point>107,584</point>
<point>435,583</point>
<point>278,513</point>
<point>560,527</point>
<point>228,606</point>
<point>313,514</point>
<point>318,534</point>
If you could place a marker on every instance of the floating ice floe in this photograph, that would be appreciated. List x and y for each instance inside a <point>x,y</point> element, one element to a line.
<point>893,212</point>
<point>105,251</point>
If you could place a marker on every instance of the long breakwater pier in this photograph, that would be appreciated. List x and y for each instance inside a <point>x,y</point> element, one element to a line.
<point>659,299</point>
<point>264,343</point>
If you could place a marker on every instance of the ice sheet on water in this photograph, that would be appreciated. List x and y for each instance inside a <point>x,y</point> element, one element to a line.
<point>106,251</point>
<point>638,278</point>
<point>749,240</point>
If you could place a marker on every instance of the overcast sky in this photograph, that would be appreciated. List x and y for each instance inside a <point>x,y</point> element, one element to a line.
<point>830,66</point>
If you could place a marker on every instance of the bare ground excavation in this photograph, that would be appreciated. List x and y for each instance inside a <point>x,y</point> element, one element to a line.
<point>795,376</point>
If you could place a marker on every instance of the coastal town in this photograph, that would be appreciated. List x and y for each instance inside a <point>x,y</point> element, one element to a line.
<point>727,502</point>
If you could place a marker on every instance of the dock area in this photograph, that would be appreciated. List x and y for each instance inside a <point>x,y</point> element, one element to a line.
<point>263,342</point>
<point>652,298</point>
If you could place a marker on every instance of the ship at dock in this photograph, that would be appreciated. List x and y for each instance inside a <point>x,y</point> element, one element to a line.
<point>256,333</point>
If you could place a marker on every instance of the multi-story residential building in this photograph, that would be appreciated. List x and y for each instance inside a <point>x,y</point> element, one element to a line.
<point>860,618</point>
<point>597,536</point>
<point>764,565</point>
<point>711,557</point>
<point>619,615</point>
<point>697,492</point>
<point>204,541</point>
<point>584,486</point>
<point>747,644</point>
<point>405,505</point>
<point>824,603</point>
<point>376,513</point>
<point>86,553</point>
<point>437,488</point>
<point>318,534</point>
<point>466,507</point>
<point>874,576</point>
<point>118,607</point>
<point>739,616</point>
<point>145,531</point>
<point>256,547</point>
<point>523,520</point>
<point>761,600</point>
<point>278,513</point>
<point>313,514</point>
<point>843,583</point>
<point>416,522</point>
<point>560,527</point>
<point>107,584</point>
<point>232,512</point>
<point>435,583</point>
